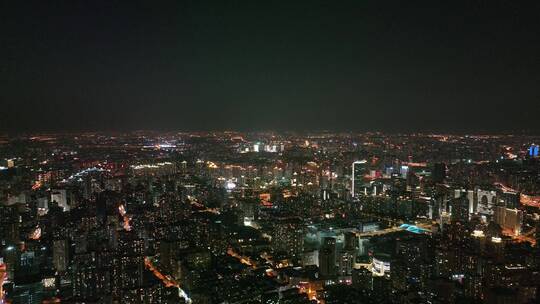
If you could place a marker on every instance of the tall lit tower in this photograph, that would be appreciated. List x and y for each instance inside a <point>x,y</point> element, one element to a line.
<point>358,172</point>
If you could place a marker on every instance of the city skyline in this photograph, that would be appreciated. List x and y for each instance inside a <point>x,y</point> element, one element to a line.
<point>269,218</point>
<point>269,152</point>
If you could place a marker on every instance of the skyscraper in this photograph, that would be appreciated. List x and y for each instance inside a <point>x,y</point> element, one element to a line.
<point>460,208</point>
<point>289,236</point>
<point>357,175</point>
<point>60,255</point>
<point>327,257</point>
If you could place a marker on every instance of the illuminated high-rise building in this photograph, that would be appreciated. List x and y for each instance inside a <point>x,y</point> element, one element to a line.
<point>534,150</point>
<point>346,261</point>
<point>131,250</point>
<point>60,196</point>
<point>410,267</point>
<point>509,219</point>
<point>359,169</point>
<point>289,235</point>
<point>85,276</point>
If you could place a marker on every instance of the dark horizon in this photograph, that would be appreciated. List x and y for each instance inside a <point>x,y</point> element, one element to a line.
<point>394,66</point>
<point>521,133</point>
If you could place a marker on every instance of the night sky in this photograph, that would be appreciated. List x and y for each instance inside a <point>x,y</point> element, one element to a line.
<point>396,66</point>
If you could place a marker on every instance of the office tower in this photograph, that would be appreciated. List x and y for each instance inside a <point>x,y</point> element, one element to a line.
<point>327,257</point>
<point>60,255</point>
<point>60,196</point>
<point>510,220</point>
<point>359,169</point>
<point>404,171</point>
<point>460,209</point>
